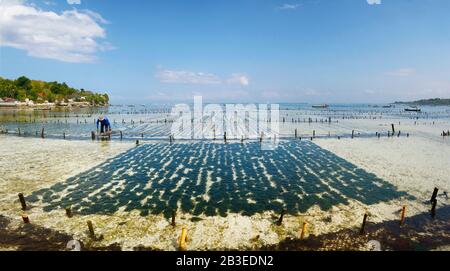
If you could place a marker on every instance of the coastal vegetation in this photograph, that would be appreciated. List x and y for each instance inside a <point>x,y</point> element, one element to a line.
<point>431,102</point>
<point>23,89</point>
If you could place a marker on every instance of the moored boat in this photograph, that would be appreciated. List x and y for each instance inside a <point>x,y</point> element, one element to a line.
<point>413,109</point>
<point>320,106</point>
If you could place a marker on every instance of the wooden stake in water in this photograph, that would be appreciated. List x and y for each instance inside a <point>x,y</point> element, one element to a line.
<point>91,229</point>
<point>25,219</point>
<point>433,197</point>
<point>280,220</point>
<point>22,201</point>
<point>363,226</point>
<point>93,135</point>
<point>42,132</point>
<point>304,229</point>
<point>402,218</point>
<point>433,208</point>
<point>182,246</point>
<point>174,214</point>
<point>69,211</point>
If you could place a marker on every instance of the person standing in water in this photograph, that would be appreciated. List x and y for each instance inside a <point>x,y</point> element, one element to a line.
<point>105,125</point>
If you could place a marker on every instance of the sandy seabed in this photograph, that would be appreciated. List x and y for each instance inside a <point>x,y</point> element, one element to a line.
<point>416,165</point>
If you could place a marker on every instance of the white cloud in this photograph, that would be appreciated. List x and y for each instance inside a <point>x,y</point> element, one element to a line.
<point>94,15</point>
<point>199,78</point>
<point>187,77</point>
<point>239,78</point>
<point>288,7</point>
<point>403,72</point>
<point>71,36</point>
<point>374,2</point>
<point>73,2</point>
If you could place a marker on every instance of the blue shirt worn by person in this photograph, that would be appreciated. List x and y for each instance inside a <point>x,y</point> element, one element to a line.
<point>104,122</point>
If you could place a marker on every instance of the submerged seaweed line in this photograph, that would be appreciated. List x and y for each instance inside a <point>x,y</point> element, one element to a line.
<point>216,179</point>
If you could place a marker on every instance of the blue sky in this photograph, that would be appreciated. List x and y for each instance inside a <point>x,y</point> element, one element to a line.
<point>244,51</point>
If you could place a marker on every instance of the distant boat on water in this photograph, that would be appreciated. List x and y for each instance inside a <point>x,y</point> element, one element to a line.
<point>413,109</point>
<point>320,106</point>
<point>388,106</point>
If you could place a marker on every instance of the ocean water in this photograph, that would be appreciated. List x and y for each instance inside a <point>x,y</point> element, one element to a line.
<point>154,121</point>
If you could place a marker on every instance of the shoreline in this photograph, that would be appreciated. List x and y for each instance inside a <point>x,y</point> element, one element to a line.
<point>48,107</point>
<point>413,235</point>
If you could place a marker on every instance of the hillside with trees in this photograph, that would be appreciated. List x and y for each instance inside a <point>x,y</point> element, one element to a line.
<point>37,91</point>
<point>430,102</point>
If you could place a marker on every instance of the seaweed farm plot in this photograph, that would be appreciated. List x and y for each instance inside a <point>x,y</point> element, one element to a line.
<point>217,179</point>
<point>79,129</point>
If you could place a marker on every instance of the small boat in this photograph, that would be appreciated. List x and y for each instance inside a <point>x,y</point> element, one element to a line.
<point>388,106</point>
<point>320,106</point>
<point>413,109</point>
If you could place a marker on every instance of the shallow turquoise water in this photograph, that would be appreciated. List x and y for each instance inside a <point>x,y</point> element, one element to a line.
<point>158,178</point>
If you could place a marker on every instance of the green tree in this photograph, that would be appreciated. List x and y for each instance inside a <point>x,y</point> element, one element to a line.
<point>7,89</point>
<point>39,91</point>
<point>21,95</point>
<point>23,83</point>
